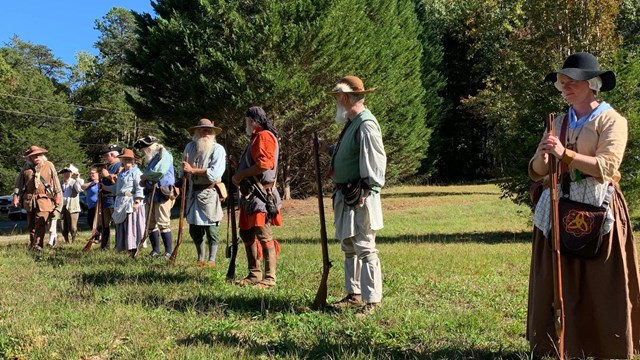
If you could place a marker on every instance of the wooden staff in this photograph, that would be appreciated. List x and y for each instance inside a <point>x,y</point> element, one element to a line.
<point>558,301</point>
<point>183,193</point>
<point>94,227</point>
<point>321,296</point>
<point>146,228</point>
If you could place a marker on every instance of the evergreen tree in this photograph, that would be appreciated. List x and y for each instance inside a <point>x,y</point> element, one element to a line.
<point>100,92</point>
<point>216,58</point>
<point>25,120</point>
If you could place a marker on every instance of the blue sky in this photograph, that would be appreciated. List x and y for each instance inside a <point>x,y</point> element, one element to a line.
<point>65,26</point>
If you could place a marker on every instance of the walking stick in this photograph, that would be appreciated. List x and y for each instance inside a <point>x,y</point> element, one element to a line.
<point>232,251</point>
<point>146,228</point>
<point>558,301</point>
<point>183,190</point>
<point>94,227</point>
<point>321,296</point>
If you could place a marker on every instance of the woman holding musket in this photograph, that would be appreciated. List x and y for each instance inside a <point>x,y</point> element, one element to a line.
<point>601,293</point>
<point>128,209</point>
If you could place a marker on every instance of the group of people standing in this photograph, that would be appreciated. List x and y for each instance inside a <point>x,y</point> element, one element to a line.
<point>139,201</point>
<point>601,293</point>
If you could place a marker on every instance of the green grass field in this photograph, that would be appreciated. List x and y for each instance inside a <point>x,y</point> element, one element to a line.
<point>455,264</point>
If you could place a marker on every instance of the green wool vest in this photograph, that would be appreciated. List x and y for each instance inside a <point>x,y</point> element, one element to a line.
<point>346,158</point>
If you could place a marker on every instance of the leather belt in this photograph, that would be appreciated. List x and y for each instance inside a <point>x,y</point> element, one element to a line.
<point>201,187</point>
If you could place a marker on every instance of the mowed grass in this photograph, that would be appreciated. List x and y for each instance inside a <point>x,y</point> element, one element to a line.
<point>455,264</point>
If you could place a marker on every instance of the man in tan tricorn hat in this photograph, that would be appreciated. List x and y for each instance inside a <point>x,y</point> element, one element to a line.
<point>358,163</point>
<point>203,161</point>
<point>38,191</point>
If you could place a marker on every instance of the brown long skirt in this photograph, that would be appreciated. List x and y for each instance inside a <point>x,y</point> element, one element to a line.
<point>601,296</point>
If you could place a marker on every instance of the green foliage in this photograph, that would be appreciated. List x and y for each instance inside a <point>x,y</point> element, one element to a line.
<point>100,91</point>
<point>216,58</point>
<point>34,111</point>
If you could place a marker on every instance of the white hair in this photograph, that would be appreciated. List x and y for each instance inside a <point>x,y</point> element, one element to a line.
<point>347,90</point>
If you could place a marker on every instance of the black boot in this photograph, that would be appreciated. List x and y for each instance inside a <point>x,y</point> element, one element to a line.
<point>166,239</point>
<point>154,237</point>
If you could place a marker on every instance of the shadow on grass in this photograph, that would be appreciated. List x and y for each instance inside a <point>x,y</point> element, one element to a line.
<point>435,193</point>
<point>340,347</point>
<point>115,277</point>
<point>492,237</point>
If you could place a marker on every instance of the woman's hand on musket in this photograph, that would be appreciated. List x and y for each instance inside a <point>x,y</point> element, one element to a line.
<point>550,144</point>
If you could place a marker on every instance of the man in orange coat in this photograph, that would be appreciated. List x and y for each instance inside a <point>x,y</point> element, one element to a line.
<point>260,201</point>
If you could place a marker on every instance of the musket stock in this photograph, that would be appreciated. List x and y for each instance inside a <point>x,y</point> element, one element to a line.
<point>146,228</point>
<point>558,301</point>
<point>94,227</point>
<point>321,296</point>
<point>183,193</point>
<point>232,251</point>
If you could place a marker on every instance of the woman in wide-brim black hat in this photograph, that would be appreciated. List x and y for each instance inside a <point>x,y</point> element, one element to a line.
<point>601,293</point>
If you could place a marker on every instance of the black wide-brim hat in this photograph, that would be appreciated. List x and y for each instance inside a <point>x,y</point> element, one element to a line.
<point>584,66</point>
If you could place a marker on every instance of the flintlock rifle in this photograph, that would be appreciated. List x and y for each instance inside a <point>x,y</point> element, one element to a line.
<point>183,193</point>
<point>94,227</point>
<point>146,228</point>
<point>558,300</point>
<point>231,251</point>
<point>321,296</point>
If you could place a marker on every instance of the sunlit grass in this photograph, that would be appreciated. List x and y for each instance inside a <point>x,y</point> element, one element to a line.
<point>455,263</point>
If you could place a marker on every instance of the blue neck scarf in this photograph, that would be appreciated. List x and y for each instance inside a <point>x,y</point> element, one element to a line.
<point>575,123</point>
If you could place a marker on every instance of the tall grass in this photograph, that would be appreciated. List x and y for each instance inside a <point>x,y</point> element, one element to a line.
<point>455,265</point>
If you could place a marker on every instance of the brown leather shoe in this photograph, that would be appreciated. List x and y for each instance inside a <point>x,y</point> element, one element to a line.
<point>367,309</point>
<point>264,285</point>
<point>246,282</point>
<point>351,300</point>
<point>211,264</point>
<point>200,263</point>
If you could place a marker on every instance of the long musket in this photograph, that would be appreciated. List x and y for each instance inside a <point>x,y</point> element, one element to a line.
<point>232,251</point>
<point>321,296</point>
<point>558,300</point>
<point>94,227</point>
<point>183,193</point>
<point>146,228</point>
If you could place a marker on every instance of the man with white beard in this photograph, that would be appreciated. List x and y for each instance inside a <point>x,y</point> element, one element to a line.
<point>203,162</point>
<point>358,166</point>
<point>158,173</point>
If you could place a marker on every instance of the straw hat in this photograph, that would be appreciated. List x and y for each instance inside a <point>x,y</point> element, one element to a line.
<point>352,85</point>
<point>205,124</point>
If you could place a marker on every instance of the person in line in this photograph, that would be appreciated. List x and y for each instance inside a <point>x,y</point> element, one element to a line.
<point>128,209</point>
<point>158,173</point>
<point>91,188</point>
<point>71,189</point>
<point>358,165</point>
<point>108,175</point>
<point>38,191</point>
<point>203,162</point>
<point>260,201</point>
<point>602,293</point>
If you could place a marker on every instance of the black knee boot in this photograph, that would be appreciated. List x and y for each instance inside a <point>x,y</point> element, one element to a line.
<point>154,237</point>
<point>168,243</point>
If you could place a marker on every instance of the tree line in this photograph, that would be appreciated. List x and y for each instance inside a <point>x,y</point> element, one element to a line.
<point>460,92</point>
